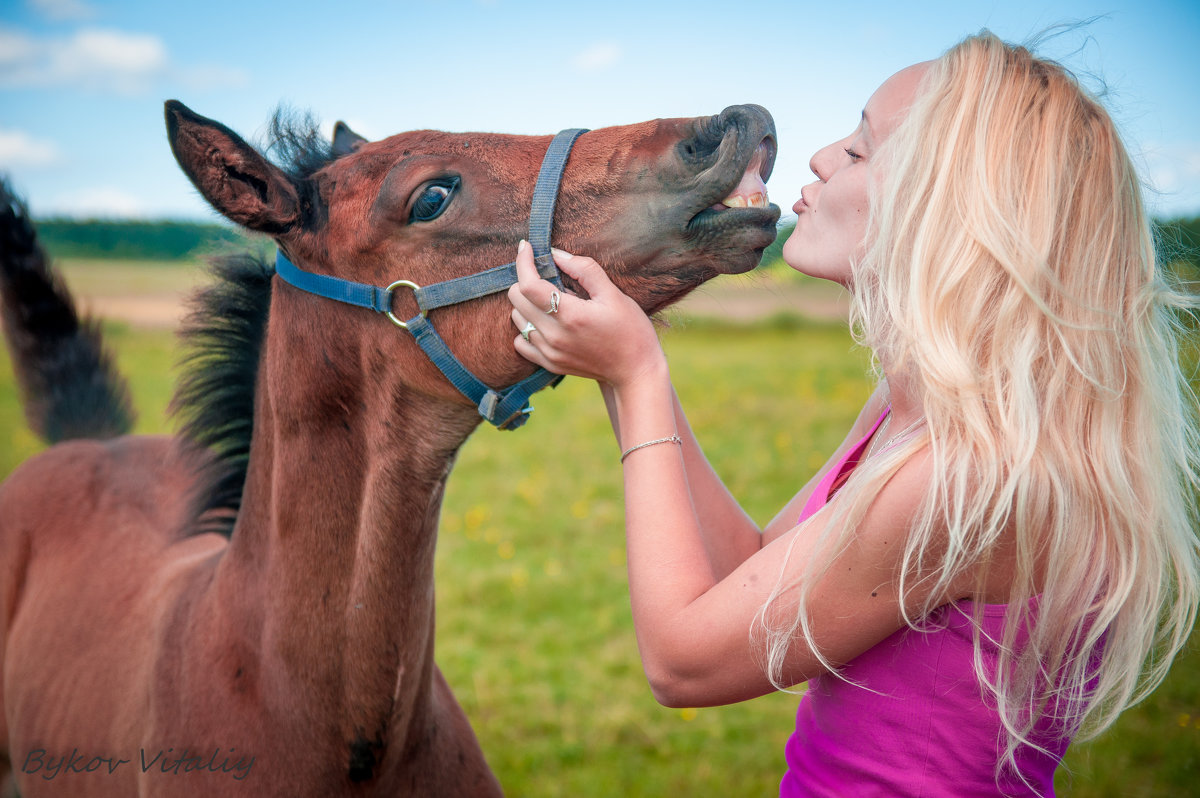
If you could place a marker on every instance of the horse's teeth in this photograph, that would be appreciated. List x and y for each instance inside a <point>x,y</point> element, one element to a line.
<point>756,200</point>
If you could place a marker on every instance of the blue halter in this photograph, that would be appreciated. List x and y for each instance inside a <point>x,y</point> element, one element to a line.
<point>508,408</point>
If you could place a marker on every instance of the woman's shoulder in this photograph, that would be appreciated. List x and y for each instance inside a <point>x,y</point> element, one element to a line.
<point>901,507</point>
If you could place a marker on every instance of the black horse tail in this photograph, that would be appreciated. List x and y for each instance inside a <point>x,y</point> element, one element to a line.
<point>67,380</point>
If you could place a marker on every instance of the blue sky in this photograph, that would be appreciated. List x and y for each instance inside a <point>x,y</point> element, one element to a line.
<point>82,82</point>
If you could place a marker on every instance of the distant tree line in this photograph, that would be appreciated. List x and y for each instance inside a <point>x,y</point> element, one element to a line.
<point>139,240</point>
<point>1179,240</point>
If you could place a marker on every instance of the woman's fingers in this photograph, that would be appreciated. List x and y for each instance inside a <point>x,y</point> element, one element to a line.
<point>528,341</point>
<point>530,352</point>
<point>544,295</point>
<point>526,295</point>
<point>585,271</point>
<point>605,336</point>
<point>524,325</point>
<point>540,294</point>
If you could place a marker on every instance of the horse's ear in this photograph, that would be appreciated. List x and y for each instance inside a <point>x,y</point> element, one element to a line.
<point>345,140</point>
<point>233,176</point>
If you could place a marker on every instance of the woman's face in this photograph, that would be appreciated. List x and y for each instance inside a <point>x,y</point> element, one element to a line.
<point>832,212</point>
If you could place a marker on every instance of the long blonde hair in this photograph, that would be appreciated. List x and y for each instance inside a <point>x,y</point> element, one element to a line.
<point>1010,275</point>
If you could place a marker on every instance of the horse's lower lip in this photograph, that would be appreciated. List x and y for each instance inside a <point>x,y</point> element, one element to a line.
<point>713,219</point>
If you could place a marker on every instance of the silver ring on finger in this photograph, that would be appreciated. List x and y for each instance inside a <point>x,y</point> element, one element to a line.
<point>554,298</point>
<point>527,329</point>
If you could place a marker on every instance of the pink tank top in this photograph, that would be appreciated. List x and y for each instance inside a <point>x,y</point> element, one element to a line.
<point>912,719</point>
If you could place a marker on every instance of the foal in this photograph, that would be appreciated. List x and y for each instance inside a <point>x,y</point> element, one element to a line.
<point>247,609</point>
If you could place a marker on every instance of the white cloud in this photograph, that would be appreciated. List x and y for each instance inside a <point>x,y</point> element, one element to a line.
<point>1174,167</point>
<point>1174,177</point>
<point>19,149</point>
<point>111,57</point>
<point>92,58</point>
<point>101,60</point>
<point>600,55</point>
<point>16,50</point>
<point>63,10</point>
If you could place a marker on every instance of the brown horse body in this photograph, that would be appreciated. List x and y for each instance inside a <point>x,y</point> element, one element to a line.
<point>143,655</point>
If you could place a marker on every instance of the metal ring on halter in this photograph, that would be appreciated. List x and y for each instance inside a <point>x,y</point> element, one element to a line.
<point>401,324</point>
<point>554,297</point>
<point>527,329</point>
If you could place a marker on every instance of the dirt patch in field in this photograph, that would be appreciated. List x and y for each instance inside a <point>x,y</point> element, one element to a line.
<point>142,294</point>
<point>144,312</point>
<point>740,299</point>
<point>752,298</point>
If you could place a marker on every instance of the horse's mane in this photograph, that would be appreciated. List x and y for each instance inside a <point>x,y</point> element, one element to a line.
<point>296,145</point>
<point>214,401</point>
<point>223,339</point>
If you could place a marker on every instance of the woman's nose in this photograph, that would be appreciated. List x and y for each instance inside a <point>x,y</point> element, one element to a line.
<point>824,161</point>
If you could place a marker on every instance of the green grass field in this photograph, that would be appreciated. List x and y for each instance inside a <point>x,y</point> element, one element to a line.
<point>533,620</point>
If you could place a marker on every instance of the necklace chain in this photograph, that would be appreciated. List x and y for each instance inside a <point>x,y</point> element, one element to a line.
<point>871,449</point>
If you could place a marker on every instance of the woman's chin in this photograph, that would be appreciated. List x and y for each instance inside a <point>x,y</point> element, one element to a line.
<point>819,271</point>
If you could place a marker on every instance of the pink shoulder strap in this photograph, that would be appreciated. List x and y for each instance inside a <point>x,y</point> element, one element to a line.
<point>820,496</point>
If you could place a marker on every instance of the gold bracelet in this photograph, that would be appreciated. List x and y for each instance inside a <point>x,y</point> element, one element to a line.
<point>632,449</point>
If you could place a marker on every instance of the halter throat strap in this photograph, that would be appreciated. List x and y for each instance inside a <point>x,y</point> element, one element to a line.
<point>507,408</point>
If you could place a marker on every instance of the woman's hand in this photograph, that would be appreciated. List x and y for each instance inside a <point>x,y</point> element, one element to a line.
<point>607,337</point>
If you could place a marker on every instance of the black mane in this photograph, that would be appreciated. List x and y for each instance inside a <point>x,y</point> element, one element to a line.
<point>295,144</point>
<point>223,337</point>
<point>297,147</point>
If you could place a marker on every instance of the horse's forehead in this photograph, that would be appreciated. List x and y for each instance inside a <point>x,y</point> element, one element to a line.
<point>509,144</point>
<point>509,156</point>
<point>487,150</point>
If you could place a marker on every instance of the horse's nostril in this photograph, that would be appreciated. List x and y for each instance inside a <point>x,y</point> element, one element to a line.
<point>700,147</point>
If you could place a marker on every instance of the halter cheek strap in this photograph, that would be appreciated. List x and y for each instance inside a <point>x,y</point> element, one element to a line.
<point>507,408</point>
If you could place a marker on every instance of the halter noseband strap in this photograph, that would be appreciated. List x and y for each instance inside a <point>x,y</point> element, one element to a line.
<point>508,408</point>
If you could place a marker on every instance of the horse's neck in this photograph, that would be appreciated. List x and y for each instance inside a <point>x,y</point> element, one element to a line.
<point>335,545</point>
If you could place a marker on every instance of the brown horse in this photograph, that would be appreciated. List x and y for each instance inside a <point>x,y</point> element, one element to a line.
<point>247,609</point>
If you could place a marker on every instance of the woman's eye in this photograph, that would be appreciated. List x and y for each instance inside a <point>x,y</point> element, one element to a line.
<point>854,156</point>
<point>433,199</point>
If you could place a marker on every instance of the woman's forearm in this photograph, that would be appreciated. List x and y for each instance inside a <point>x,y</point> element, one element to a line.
<point>668,560</point>
<point>728,533</point>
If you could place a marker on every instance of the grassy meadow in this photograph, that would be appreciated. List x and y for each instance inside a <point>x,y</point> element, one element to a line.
<point>534,631</point>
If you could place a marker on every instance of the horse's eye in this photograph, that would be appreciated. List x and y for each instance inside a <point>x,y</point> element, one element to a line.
<point>433,199</point>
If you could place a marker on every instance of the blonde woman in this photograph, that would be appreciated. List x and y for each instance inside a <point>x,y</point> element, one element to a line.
<point>1002,554</point>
